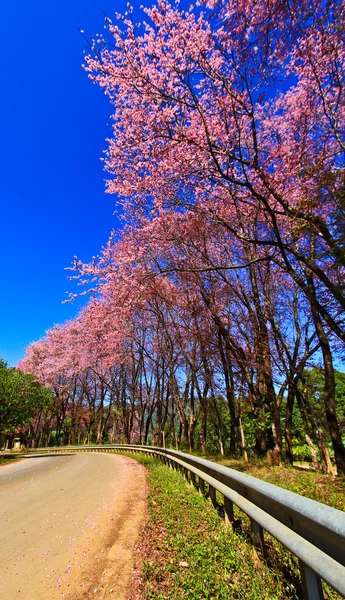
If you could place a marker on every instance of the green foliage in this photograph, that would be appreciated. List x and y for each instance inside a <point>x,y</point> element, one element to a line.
<point>323,488</point>
<point>188,552</point>
<point>6,460</point>
<point>218,421</point>
<point>20,397</point>
<point>313,385</point>
<point>254,428</point>
<point>340,395</point>
<point>301,452</point>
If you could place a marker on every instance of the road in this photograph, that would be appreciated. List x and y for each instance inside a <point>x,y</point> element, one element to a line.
<point>68,526</point>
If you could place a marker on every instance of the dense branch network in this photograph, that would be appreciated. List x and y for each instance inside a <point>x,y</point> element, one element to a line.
<point>226,286</point>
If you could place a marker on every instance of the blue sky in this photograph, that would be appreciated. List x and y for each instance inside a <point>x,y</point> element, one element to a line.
<point>54,122</point>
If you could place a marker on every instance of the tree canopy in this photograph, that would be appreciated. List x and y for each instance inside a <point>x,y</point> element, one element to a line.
<point>227,158</point>
<point>21,396</point>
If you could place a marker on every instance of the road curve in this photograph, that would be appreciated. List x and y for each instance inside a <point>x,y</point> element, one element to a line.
<point>68,526</point>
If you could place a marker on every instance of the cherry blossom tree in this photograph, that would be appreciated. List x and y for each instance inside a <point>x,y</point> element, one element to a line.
<point>236,111</point>
<point>226,282</point>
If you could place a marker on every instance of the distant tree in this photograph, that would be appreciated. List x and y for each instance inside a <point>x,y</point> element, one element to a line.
<point>313,381</point>
<point>311,403</point>
<point>21,395</point>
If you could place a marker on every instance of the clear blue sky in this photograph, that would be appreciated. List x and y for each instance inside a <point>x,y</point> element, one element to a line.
<point>54,122</point>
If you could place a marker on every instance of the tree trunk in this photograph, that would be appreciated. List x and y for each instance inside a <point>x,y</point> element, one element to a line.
<point>288,425</point>
<point>243,441</point>
<point>230,395</point>
<point>329,394</point>
<point>307,431</point>
<point>203,430</point>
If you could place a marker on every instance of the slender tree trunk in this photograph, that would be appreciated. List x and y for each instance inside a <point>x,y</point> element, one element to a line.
<point>243,442</point>
<point>326,462</point>
<point>329,394</point>
<point>230,396</point>
<point>313,452</point>
<point>277,432</point>
<point>221,443</point>
<point>203,428</point>
<point>147,427</point>
<point>307,431</point>
<point>288,424</point>
<point>179,436</point>
<point>324,453</point>
<point>192,419</point>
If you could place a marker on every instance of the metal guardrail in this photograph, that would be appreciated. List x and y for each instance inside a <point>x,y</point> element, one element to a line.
<point>312,531</point>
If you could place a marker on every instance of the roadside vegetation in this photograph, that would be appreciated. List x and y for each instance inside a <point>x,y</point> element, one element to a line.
<point>187,552</point>
<point>6,460</point>
<point>21,398</point>
<point>322,488</point>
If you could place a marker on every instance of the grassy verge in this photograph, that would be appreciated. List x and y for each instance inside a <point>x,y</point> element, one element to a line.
<point>6,460</point>
<point>188,553</point>
<point>323,488</point>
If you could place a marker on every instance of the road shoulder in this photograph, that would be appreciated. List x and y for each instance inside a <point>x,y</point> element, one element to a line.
<point>109,576</point>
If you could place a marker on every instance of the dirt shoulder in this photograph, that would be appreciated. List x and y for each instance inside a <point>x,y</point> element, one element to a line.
<point>109,574</point>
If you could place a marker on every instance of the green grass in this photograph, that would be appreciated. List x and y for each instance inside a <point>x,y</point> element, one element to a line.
<point>6,460</point>
<point>323,488</point>
<point>189,553</point>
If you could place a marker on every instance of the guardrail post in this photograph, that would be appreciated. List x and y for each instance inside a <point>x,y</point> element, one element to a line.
<point>212,495</point>
<point>228,511</point>
<point>201,487</point>
<point>257,536</point>
<point>192,478</point>
<point>312,587</point>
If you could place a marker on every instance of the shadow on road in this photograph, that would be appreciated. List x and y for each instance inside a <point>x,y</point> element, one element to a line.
<point>46,455</point>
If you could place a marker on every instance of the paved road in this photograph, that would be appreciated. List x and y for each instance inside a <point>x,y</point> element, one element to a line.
<point>57,520</point>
